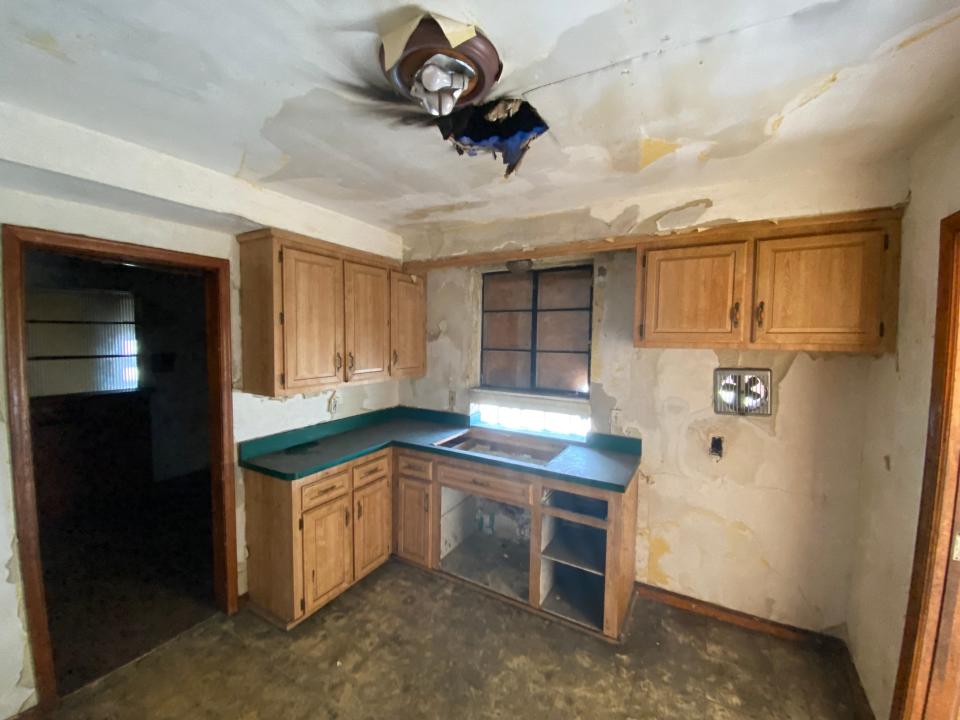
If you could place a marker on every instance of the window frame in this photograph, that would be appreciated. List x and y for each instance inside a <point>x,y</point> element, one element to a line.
<point>533,311</point>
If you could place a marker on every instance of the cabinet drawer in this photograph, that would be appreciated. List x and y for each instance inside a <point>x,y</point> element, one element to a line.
<point>371,470</point>
<point>317,493</point>
<point>415,467</point>
<point>481,483</point>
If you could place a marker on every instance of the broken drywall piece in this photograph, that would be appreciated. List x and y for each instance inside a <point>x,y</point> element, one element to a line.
<point>506,126</point>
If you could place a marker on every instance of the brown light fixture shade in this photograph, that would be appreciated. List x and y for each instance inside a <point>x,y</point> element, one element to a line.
<point>428,40</point>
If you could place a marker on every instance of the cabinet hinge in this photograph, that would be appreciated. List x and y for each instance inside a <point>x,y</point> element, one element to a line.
<point>303,604</point>
<point>280,255</point>
<point>640,328</point>
<point>301,523</point>
<point>281,317</point>
<point>886,241</point>
<point>643,261</point>
<point>283,381</point>
<point>882,329</point>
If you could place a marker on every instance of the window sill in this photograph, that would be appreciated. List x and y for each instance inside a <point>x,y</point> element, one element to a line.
<point>531,401</point>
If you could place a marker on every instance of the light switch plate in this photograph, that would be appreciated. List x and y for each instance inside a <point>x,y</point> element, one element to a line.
<point>742,391</point>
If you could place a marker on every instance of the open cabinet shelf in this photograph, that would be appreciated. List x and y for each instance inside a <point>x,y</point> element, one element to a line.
<point>579,546</point>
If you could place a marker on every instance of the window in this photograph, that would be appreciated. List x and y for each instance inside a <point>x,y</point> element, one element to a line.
<point>536,330</point>
<point>81,341</point>
<point>532,420</point>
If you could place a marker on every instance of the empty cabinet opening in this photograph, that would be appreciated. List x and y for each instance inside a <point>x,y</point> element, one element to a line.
<point>570,502</point>
<point>486,542</point>
<point>571,593</point>
<point>573,564</point>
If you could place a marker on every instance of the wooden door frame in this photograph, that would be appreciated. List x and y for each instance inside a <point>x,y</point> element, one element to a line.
<point>216,274</point>
<point>931,600</point>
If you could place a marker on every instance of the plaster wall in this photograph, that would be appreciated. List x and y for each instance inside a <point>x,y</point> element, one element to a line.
<point>897,404</point>
<point>253,416</point>
<point>765,529</point>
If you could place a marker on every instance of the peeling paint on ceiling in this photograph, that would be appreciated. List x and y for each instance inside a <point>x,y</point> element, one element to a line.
<point>641,97</point>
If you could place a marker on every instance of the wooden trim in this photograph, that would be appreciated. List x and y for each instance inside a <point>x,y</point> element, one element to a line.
<point>21,457</point>
<point>310,244</point>
<point>732,232</point>
<point>217,288</point>
<point>733,617</point>
<point>939,494</point>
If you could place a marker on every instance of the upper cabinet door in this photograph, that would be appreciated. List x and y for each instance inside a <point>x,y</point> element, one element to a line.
<point>824,291</point>
<point>408,325</point>
<point>367,302</point>
<point>692,296</point>
<point>312,319</point>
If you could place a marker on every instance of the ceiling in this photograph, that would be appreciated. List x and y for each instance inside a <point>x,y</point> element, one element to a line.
<point>640,96</point>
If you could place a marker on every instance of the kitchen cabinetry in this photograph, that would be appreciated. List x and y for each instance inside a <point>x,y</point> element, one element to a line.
<point>367,321</point>
<point>830,288</point>
<point>316,315</point>
<point>327,552</point>
<point>414,520</point>
<point>408,330</point>
<point>563,549</point>
<point>311,319</point>
<point>694,295</point>
<point>823,291</point>
<point>310,539</point>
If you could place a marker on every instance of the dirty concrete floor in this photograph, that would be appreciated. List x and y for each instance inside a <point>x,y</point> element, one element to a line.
<point>405,643</point>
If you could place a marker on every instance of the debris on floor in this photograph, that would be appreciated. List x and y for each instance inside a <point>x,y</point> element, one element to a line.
<point>505,127</point>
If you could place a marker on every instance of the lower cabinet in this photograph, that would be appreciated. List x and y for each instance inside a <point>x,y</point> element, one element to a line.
<point>414,520</point>
<point>328,552</point>
<point>372,529</point>
<point>310,539</point>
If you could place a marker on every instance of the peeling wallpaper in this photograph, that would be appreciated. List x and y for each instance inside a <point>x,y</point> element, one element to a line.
<point>764,530</point>
<point>896,425</point>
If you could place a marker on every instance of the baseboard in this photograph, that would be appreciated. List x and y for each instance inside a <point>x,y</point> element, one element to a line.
<point>733,617</point>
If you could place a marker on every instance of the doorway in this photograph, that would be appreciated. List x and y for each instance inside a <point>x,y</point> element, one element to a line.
<point>928,681</point>
<point>118,370</point>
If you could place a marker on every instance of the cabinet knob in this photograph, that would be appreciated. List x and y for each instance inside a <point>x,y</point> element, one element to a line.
<point>760,309</point>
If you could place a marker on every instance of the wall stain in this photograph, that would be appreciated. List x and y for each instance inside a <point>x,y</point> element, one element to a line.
<point>47,43</point>
<point>659,548</point>
<point>917,37</point>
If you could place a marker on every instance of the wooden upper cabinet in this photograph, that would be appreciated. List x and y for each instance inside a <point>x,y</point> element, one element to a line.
<point>372,528</point>
<point>313,352</point>
<point>327,552</point>
<point>693,296</point>
<point>821,292</point>
<point>315,314</point>
<point>408,325</point>
<point>366,322</point>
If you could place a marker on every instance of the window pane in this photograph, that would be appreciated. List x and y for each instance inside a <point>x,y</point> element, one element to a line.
<point>506,331</point>
<point>62,377</point>
<point>563,330</point>
<point>80,305</point>
<point>563,371</point>
<point>508,291</point>
<point>506,369</point>
<point>565,288</point>
<point>69,339</point>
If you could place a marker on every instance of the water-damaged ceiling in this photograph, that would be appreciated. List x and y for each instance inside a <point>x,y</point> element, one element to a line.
<point>640,97</point>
